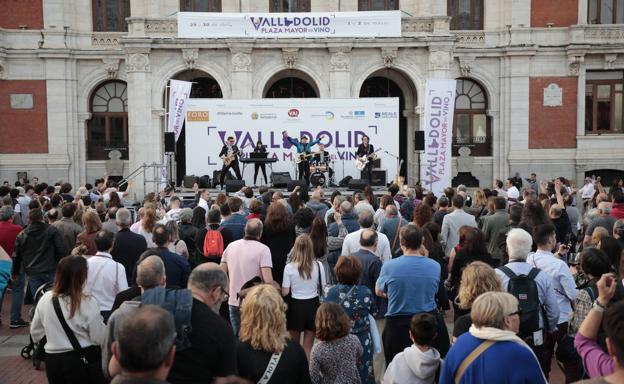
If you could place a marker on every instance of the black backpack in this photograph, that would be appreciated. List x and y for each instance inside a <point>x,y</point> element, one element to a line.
<point>524,288</point>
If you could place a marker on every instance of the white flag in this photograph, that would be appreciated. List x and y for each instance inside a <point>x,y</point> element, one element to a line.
<point>179,92</point>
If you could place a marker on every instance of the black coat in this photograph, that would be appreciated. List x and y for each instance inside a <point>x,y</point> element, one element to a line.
<point>38,248</point>
<point>127,248</point>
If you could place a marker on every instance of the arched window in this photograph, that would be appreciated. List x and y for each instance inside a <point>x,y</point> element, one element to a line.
<point>471,126</point>
<point>378,5</point>
<point>108,127</point>
<point>289,5</point>
<point>290,87</point>
<point>465,14</point>
<point>200,5</point>
<point>110,15</point>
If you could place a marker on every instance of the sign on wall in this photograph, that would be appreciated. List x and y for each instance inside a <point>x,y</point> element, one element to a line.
<point>342,122</point>
<point>289,25</point>
<point>435,163</point>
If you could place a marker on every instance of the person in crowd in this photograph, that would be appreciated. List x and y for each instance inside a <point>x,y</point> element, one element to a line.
<point>334,358</point>
<point>334,243</point>
<point>423,214</point>
<point>321,242</point>
<point>187,233</point>
<point>561,222</point>
<point>380,213</point>
<point>449,235</point>
<point>316,204</point>
<point>128,246</point>
<point>618,233</point>
<point>597,361</point>
<point>295,203</point>
<point>279,235</point>
<point>361,204</point>
<point>479,207</point>
<point>145,348</point>
<point>67,227</point>
<point>533,214</point>
<point>212,355</point>
<point>147,226</point>
<point>348,219</point>
<point>8,235</point>
<point>617,203</point>
<point>67,304</point>
<point>357,301</point>
<point>92,225</point>
<point>336,200</point>
<point>370,197</point>
<point>419,362</point>
<point>493,227</point>
<point>37,262</point>
<point>371,263</point>
<point>304,279</point>
<point>351,242</point>
<point>598,235</point>
<point>51,216</point>
<point>303,219</point>
<point>501,356</point>
<point>110,224</point>
<point>604,220</point>
<point>176,245</point>
<point>210,235</point>
<point>391,228</point>
<point>443,210</point>
<point>513,194</point>
<point>106,277</point>
<point>519,243</point>
<point>176,266</point>
<point>173,214</point>
<point>612,248</point>
<point>409,204</point>
<point>198,219</point>
<point>255,210</point>
<point>236,221</point>
<point>243,260</point>
<point>264,341</point>
<point>412,272</point>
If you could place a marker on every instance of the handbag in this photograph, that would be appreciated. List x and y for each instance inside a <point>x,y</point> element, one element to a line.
<point>90,356</point>
<point>375,337</point>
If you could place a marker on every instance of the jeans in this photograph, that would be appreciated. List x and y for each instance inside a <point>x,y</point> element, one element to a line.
<point>17,298</point>
<point>38,279</point>
<point>235,319</point>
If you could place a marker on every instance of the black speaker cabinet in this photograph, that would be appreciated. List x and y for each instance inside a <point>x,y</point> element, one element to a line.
<point>169,142</point>
<point>357,184</point>
<point>280,179</point>
<point>379,177</point>
<point>419,140</point>
<point>301,183</point>
<point>204,182</point>
<point>234,185</point>
<point>189,180</point>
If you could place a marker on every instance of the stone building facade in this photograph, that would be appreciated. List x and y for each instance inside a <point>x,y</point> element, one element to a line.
<point>540,82</point>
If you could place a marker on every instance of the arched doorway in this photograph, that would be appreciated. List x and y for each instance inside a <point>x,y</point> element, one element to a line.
<point>385,84</point>
<point>205,87</point>
<point>290,84</point>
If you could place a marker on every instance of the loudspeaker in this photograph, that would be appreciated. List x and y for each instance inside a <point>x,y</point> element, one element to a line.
<point>280,179</point>
<point>204,182</point>
<point>189,180</point>
<point>234,185</point>
<point>169,142</point>
<point>216,177</point>
<point>301,183</point>
<point>377,163</point>
<point>357,184</point>
<point>379,177</point>
<point>344,182</point>
<point>419,140</point>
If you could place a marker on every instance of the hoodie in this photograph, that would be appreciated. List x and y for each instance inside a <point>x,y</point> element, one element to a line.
<point>318,207</point>
<point>413,366</point>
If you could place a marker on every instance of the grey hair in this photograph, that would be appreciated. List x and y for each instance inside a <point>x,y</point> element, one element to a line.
<point>150,272</point>
<point>391,209</point>
<point>519,243</point>
<point>6,212</point>
<point>144,338</point>
<point>604,207</point>
<point>253,228</point>
<point>462,188</point>
<point>123,218</point>
<point>206,277</point>
<point>618,228</point>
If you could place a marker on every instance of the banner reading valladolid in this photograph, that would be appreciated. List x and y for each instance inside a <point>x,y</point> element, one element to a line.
<point>343,122</point>
<point>289,25</point>
<point>435,171</point>
<point>179,92</point>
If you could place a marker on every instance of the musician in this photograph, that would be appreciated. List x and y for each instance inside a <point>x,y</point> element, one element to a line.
<point>366,149</point>
<point>259,148</point>
<point>303,148</point>
<point>323,157</point>
<point>229,150</point>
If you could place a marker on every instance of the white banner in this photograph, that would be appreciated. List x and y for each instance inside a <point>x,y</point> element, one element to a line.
<point>343,122</point>
<point>179,92</point>
<point>289,25</point>
<point>435,163</point>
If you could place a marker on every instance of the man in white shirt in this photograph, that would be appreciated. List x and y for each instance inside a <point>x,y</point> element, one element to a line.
<point>587,191</point>
<point>204,198</point>
<point>498,187</point>
<point>449,235</point>
<point>562,281</point>
<point>512,192</point>
<point>173,214</point>
<point>106,277</point>
<point>351,242</point>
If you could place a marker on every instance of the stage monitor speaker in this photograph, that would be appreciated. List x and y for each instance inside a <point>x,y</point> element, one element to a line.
<point>345,182</point>
<point>280,179</point>
<point>169,142</point>
<point>216,177</point>
<point>234,185</point>
<point>189,180</point>
<point>357,184</point>
<point>419,140</point>
<point>301,183</point>
<point>379,177</point>
<point>377,163</point>
<point>204,182</point>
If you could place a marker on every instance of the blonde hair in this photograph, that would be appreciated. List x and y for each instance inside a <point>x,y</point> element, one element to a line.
<point>303,256</point>
<point>490,309</point>
<point>91,221</point>
<point>478,198</point>
<point>598,234</point>
<point>476,278</point>
<point>263,319</point>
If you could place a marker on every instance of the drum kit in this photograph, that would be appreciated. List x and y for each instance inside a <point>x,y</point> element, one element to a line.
<point>320,174</point>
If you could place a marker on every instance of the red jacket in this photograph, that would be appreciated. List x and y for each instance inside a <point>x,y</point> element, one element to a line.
<point>617,210</point>
<point>8,234</point>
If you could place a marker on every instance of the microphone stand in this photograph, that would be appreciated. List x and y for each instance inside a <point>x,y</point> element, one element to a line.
<point>398,160</point>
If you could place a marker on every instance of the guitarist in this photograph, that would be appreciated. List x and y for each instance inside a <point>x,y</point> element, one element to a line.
<point>303,148</point>
<point>229,151</point>
<point>366,149</point>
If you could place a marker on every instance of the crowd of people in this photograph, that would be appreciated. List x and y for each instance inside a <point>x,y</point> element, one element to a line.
<point>263,286</point>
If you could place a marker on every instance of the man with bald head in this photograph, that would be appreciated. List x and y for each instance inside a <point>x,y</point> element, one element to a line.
<point>243,260</point>
<point>371,263</point>
<point>391,227</point>
<point>604,219</point>
<point>348,219</point>
<point>351,242</point>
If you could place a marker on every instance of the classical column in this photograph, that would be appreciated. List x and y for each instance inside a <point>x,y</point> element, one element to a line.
<point>242,77</point>
<point>497,138</point>
<point>340,72</point>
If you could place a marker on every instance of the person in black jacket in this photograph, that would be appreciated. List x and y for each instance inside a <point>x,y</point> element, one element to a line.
<point>260,148</point>
<point>38,249</point>
<point>366,149</point>
<point>229,149</point>
<point>128,246</point>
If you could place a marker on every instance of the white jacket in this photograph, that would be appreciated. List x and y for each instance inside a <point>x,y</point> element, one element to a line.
<point>413,366</point>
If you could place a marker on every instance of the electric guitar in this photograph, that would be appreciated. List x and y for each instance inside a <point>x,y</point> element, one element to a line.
<point>304,156</point>
<point>227,160</point>
<point>362,161</point>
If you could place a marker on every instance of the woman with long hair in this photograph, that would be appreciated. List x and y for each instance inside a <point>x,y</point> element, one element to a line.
<point>480,206</point>
<point>220,200</point>
<point>198,220</point>
<point>370,196</point>
<point>176,245</point>
<point>64,364</point>
<point>295,202</point>
<point>279,235</point>
<point>114,200</point>
<point>92,225</point>
<point>533,215</point>
<point>304,279</point>
<point>319,237</point>
<point>147,225</point>
<point>264,339</point>
<point>422,215</point>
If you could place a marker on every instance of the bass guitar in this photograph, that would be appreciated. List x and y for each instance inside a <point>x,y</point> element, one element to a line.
<point>227,160</point>
<point>362,161</point>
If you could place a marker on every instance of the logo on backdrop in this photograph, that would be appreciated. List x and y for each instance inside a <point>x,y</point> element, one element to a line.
<point>197,116</point>
<point>293,113</point>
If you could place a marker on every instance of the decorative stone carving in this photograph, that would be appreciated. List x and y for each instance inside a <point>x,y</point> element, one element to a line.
<point>610,60</point>
<point>465,65</point>
<point>161,27</point>
<point>190,57</point>
<point>241,61</point>
<point>412,25</point>
<point>138,62</point>
<point>114,166</point>
<point>106,39</point>
<point>439,60</point>
<point>339,61</point>
<point>290,56</point>
<point>470,39</point>
<point>574,64</point>
<point>389,56</point>
<point>604,34</point>
<point>464,161</point>
<point>112,67</point>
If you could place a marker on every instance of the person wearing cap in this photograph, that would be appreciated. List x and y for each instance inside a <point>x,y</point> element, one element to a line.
<point>229,149</point>
<point>303,148</point>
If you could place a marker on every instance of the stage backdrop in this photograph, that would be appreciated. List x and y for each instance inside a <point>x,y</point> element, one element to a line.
<point>343,122</point>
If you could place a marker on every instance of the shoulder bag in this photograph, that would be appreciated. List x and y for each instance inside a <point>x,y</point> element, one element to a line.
<point>270,369</point>
<point>472,357</point>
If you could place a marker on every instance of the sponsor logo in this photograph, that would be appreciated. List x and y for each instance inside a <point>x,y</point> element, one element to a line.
<point>268,116</point>
<point>377,115</point>
<point>386,115</point>
<point>293,113</point>
<point>359,113</point>
<point>254,115</point>
<point>229,113</point>
<point>197,116</point>
<point>286,21</point>
<point>329,115</point>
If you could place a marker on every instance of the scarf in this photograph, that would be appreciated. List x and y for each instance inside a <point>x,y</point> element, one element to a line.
<point>496,334</point>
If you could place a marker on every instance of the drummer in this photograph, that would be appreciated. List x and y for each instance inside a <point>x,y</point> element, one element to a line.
<point>322,160</point>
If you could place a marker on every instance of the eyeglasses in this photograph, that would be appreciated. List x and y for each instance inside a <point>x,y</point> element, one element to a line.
<point>225,293</point>
<point>518,312</point>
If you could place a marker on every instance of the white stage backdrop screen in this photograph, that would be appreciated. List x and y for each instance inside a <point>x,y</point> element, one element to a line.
<point>343,122</point>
